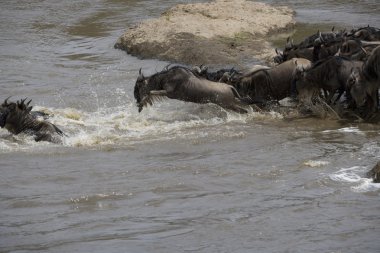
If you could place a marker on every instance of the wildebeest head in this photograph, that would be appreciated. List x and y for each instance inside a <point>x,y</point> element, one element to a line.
<point>11,114</point>
<point>357,87</point>
<point>304,85</point>
<point>279,58</point>
<point>141,90</point>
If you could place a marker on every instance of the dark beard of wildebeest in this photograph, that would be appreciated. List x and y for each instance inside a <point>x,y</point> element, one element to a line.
<point>17,118</point>
<point>329,75</point>
<point>366,82</point>
<point>183,84</point>
<point>266,85</point>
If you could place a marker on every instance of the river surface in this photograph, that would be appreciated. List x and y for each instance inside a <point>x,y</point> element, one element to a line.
<point>178,177</point>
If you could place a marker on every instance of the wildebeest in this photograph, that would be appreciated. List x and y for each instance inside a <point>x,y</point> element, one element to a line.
<point>374,173</point>
<point>330,75</point>
<point>183,84</point>
<point>367,33</point>
<point>17,118</point>
<point>305,49</point>
<point>219,75</point>
<point>366,83</point>
<point>270,84</point>
<point>288,54</point>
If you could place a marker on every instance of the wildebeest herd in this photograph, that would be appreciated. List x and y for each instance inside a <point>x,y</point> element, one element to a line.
<point>340,70</point>
<point>337,69</point>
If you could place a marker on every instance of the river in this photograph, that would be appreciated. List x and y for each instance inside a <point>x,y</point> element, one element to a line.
<point>178,177</point>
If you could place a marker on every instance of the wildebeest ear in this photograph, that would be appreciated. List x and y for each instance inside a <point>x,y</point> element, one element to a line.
<point>6,101</point>
<point>141,76</point>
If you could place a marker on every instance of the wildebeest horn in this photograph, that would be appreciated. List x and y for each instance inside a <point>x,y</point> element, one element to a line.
<point>6,100</point>
<point>365,51</point>
<point>369,43</point>
<point>332,29</point>
<point>320,37</point>
<point>141,76</point>
<point>167,66</point>
<point>338,53</point>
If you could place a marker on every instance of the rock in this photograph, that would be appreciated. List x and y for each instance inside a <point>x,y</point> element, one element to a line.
<point>374,173</point>
<point>219,32</point>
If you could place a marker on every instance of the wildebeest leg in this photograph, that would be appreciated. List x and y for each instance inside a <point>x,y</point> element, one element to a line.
<point>158,93</point>
<point>148,99</point>
<point>293,90</point>
<point>325,94</point>
<point>330,96</point>
<point>43,137</point>
<point>237,109</point>
<point>339,95</point>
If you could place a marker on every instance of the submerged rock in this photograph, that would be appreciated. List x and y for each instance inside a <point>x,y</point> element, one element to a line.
<point>219,32</point>
<point>374,173</point>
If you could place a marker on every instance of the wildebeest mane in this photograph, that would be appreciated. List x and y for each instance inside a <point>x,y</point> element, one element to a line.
<point>325,73</point>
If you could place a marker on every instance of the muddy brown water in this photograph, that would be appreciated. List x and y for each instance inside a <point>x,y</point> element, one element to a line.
<point>178,177</point>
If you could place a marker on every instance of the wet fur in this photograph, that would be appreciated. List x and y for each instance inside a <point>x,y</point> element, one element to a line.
<point>330,75</point>
<point>366,83</point>
<point>266,85</point>
<point>17,118</point>
<point>184,84</point>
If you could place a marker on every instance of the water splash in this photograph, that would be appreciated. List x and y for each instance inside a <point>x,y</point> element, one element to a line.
<point>355,177</point>
<point>312,163</point>
<point>123,126</point>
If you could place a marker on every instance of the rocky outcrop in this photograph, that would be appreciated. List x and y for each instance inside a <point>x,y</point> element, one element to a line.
<point>219,32</point>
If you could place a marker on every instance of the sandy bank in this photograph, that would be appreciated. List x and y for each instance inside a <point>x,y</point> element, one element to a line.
<point>219,32</point>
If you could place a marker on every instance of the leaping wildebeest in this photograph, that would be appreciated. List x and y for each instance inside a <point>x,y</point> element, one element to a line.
<point>17,118</point>
<point>183,84</point>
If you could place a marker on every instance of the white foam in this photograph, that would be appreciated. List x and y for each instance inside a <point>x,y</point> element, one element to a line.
<point>354,130</point>
<point>312,163</point>
<point>353,175</point>
<point>123,125</point>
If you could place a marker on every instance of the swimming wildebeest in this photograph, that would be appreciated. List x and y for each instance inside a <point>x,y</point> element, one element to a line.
<point>329,75</point>
<point>266,85</point>
<point>183,84</point>
<point>374,173</point>
<point>18,118</point>
<point>366,83</point>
